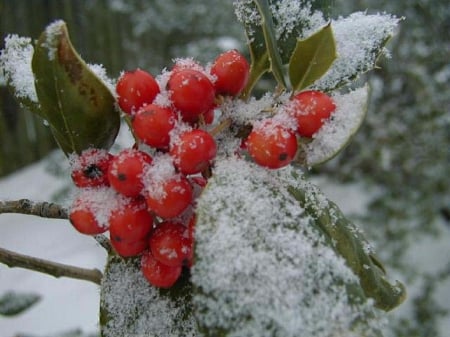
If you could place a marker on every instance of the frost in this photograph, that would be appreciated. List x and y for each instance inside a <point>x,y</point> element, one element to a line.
<point>358,40</point>
<point>131,307</point>
<point>15,66</point>
<point>100,71</point>
<point>336,132</point>
<point>53,31</point>
<point>261,268</point>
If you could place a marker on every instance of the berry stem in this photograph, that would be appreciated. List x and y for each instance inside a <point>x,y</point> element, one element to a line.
<point>223,125</point>
<point>13,259</point>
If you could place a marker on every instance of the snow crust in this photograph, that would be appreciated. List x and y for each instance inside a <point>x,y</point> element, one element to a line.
<point>261,267</point>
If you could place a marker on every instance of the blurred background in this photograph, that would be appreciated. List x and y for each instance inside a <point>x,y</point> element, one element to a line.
<point>401,157</point>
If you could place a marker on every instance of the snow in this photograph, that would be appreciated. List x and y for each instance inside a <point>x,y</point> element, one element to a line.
<point>15,66</point>
<point>267,274</point>
<point>66,304</point>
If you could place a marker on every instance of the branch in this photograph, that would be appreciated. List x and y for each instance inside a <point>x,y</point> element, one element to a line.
<point>13,259</point>
<point>42,209</point>
<point>46,210</point>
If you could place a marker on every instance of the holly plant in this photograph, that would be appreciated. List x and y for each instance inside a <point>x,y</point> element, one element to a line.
<point>210,222</point>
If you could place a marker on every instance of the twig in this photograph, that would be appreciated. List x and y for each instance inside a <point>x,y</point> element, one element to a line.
<point>42,209</point>
<point>13,259</point>
<point>46,210</point>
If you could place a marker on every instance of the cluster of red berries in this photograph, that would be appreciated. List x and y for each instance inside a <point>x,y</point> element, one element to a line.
<point>145,195</point>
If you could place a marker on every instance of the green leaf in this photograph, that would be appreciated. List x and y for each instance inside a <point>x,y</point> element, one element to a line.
<point>276,65</point>
<point>262,265</point>
<point>12,303</point>
<point>349,242</point>
<point>130,306</point>
<point>311,58</point>
<point>360,41</point>
<point>337,132</point>
<point>78,106</point>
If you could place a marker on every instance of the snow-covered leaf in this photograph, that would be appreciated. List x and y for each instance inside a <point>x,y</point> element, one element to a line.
<point>348,241</point>
<point>360,40</point>
<point>311,58</point>
<point>13,303</point>
<point>263,267</point>
<point>76,103</point>
<point>337,132</point>
<point>129,306</point>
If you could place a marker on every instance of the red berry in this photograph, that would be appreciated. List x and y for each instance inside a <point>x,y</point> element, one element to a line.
<point>193,151</point>
<point>169,244</point>
<point>125,171</point>
<point>232,71</point>
<point>90,168</point>
<point>130,222</point>
<point>191,93</point>
<point>311,108</point>
<point>135,89</point>
<point>152,125</point>
<point>84,212</point>
<point>271,145</point>
<point>128,249</point>
<point>157,273</point>
<point>170,197</point>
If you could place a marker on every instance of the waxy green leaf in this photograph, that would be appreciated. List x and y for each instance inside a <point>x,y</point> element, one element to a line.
<point>311,58</point>
<point>348,241</point>
<point>78,106</point>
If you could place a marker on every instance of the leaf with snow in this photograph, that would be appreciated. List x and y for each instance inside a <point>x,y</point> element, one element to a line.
<point>348,241</point>
<point>15,66</point>
<point>360,40</point>
<point>130,306</point>
<point>77,104</point>
<point>311,58</point>
<point>336,132</point>
<point>13,303</point>
<point>262,266</point>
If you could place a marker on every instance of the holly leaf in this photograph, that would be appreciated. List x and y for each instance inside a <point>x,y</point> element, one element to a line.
<point>262,265</point>
<point>360,41</point>
<point>311,58</point>
<point>78,106</point>
<point>130,306</point>
<point>348,241</point>
<point>13,303</point>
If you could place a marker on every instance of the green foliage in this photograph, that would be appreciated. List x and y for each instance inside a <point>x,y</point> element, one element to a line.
<point>311,58</point>
<point>72,99</point>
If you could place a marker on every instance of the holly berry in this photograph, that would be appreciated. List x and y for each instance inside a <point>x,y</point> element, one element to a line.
<point>168,198</point>
<point>169,244</point>
<point>130,222</point>
<point>152,124</point>
<point>128,249</point>
<point>231,70</point>
<point>136,89</point>
<point>84,212</point>
<point>157,273</point>
<point>125,171</point>
<point>191,93</point>
<point>311,108</point>
<point>89,169</point>
<point>271,145</point>
<point>193,151</point>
